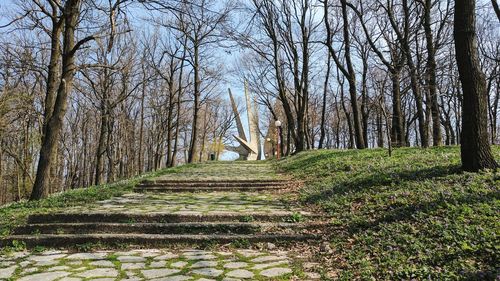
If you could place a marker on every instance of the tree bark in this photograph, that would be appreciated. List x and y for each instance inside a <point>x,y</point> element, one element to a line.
<point>475,148</point>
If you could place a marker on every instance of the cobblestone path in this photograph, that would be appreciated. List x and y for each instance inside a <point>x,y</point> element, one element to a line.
<point>228,206</point>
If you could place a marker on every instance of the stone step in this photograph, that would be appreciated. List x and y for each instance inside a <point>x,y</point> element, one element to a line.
<point>240,173</point>
<point>218,182</point>
<point>144,240</point>
<point>210,185</point>
<point>146,228</point>
<point>161,188</point>
<point>214,183</point>
<point>167,217</point>
<point>163,228</point>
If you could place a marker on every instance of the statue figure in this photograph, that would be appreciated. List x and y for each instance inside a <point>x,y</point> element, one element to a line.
<point>249,148</point>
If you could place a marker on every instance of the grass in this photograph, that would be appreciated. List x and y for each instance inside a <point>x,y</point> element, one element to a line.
<point>15,214</point>
<point>414,215</point>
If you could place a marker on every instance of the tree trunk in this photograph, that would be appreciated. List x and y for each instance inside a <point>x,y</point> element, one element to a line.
<point>365,114</point>
<point>348,119</point>
<point>140,156</point>
<point>101,147</point>
<point>304,78</point>
<point>323,107</point>
<point>169,124</point>
<point>196,107</point>
<point>431,75</point>
<point>52,73</point>
<point>380,130</point>
<point>475,148</point>
<point>496,8</point>
<point>3,199</point>
<point>397,132</point>
<point>358,128</point>
<point>337,125</point>
<point>284,99</point>
<point>55,123</point>
<point>493,102</point>
<point>110,148</point>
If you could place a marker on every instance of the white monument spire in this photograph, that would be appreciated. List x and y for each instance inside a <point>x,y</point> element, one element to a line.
<point>249,148</point>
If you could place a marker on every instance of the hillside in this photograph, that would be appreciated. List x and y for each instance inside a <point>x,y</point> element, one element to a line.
<point>412,215</point>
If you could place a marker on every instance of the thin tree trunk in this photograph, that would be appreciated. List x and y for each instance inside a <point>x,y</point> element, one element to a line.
<point>140,157</point>
<point>431,75</point>
<point>169,125</point>
<point>101,146</point>
<point>4,186</point>
<point>196,107</point>
<point>323,106</point>
<point>397,127</point>
<point>380,130</point>
<point>364,101</point>
<point>348,119</point>
<point>178,108</point>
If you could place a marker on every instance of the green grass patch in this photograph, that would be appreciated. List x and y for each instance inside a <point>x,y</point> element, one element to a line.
<point>414,215</point>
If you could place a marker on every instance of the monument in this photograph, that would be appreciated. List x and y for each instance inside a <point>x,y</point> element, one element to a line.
<point>249,148</point>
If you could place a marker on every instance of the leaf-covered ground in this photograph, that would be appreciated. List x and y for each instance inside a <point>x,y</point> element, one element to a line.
<point>414,215</point>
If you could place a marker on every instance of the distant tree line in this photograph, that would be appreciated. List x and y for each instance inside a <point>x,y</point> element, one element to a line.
<point>93,91</point>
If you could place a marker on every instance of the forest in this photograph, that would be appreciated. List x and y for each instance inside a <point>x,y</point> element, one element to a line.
<point>93,91</point>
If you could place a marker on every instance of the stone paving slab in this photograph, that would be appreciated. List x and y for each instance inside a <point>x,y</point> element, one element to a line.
<point>149,264</point>
<point>189,203</point>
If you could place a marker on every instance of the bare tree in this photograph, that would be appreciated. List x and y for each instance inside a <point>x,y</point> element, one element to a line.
<point>347,69</point>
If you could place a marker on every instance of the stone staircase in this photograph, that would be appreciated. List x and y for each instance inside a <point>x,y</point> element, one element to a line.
<point>211,185</point>
<point>202,204</point>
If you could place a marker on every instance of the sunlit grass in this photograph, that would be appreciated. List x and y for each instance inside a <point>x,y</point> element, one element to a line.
<point>412,215</point>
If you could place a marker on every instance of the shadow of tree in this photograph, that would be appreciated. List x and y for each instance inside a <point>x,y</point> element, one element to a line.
<point>481,275</point>
<point>380,178</point>
<point>304,161</point>
<point>406,213</point>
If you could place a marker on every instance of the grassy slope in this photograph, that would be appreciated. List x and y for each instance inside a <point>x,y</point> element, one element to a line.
<point>412,215</point>
<point>16,213</point>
